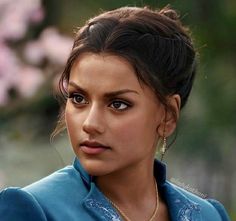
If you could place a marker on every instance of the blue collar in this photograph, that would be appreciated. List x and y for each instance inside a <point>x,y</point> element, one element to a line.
<point>85,176</point>
<point>160,172</point>
<point>180,207</point>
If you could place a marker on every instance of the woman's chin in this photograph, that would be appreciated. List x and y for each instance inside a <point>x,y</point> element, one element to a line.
<point>95,167</point>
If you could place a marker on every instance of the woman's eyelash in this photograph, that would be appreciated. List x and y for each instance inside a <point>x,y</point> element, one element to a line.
<point>76,98</point>
<point>117,104</point>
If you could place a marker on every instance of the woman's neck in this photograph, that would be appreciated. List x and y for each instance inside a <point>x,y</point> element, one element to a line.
<point>130,185</point>
<point>132,190</point>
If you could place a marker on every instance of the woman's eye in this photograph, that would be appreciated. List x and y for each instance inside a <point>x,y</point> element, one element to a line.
<point>120,105</point>
<point>77,99</point>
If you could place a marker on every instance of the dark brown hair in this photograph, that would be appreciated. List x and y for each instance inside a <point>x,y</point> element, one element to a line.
<point>155,43</point>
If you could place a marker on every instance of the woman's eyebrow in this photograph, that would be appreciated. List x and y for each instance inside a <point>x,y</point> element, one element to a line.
<point>73,84</point>
<point>106,95</point>
<point>77,87</point>
<point>119,92</point>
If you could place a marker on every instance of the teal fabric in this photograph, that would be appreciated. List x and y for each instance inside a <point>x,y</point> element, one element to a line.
<point>70,194</point>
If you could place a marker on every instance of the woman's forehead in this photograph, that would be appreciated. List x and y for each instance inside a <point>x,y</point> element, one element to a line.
<point>105,69</point>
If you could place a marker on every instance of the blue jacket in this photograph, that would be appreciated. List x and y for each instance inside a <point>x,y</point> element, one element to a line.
<point>70,194</point>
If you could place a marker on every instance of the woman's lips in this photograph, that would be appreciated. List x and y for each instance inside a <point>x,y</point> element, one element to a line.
<point>93,147</point>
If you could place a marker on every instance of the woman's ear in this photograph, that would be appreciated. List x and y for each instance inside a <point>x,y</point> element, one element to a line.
<point>170,117</point>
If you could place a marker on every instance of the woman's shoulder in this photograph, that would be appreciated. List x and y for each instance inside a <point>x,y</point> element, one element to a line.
<point>58,190</point>
<point>57,181</point>
<point>220,208</point>
<point>19,205</point>
<point>191,204</point>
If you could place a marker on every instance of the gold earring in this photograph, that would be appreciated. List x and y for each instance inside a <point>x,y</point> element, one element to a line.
<point>163,148</point>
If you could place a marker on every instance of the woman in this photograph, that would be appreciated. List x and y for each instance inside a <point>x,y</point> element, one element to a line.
<point>128,76</point>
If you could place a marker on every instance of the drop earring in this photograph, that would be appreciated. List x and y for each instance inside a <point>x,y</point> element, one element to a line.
<point>164,143</point>
<point>163,148</point>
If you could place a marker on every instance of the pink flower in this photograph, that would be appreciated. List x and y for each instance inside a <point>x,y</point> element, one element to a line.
<point>26,79</point>
<point>51,45</point>
<point>15,18</point>
<point>34,52</point>
<point>56,46</point>
<point>9,68</point>
<point>36,15</point>
<point>13,74</point>
<point>29,80</point>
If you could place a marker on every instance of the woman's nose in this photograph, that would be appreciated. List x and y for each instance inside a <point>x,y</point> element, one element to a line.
<point>93,123</point>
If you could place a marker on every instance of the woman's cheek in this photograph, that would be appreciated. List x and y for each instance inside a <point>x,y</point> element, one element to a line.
<point>129,131</point>
<point>137,131</point>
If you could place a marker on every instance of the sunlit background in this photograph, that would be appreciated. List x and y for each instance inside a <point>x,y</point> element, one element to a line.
<point>35,40</point>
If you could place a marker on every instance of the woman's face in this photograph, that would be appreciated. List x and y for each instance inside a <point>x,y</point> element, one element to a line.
<point>111,118</point>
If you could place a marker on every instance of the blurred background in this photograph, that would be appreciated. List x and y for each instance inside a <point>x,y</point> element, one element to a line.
<point>35,40</point>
